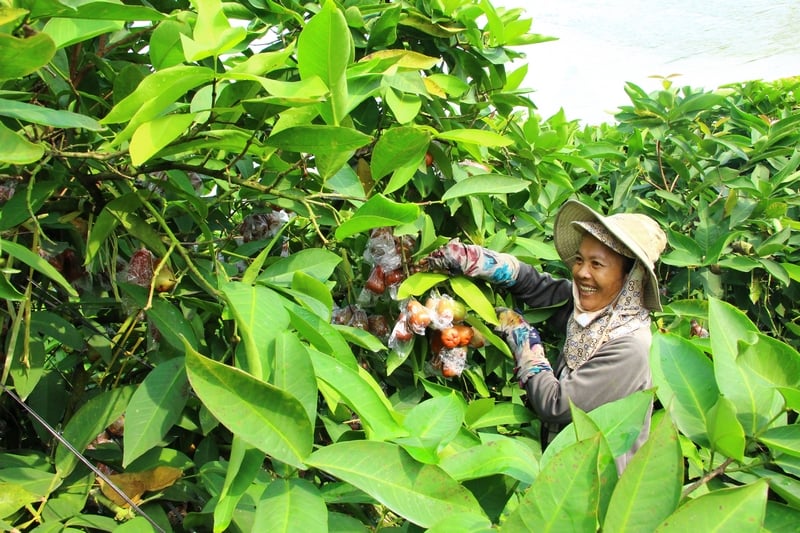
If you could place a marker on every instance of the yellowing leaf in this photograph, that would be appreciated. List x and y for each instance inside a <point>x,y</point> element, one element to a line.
<point>135,484</point>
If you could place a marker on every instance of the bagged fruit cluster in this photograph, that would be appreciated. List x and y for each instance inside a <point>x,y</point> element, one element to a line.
<point>440,319</point>
<point>386,254</point>
<point>354,316</point>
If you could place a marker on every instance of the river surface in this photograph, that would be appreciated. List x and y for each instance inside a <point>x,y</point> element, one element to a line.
<point>603,44</point>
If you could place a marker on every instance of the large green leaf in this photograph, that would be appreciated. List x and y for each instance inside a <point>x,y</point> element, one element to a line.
<point>564,496</point>
<point>755,399</point>
<point>154,408</point>
<point>316,262</point>
<point>213,35</point>
<point>362,394</point>
<point>56,118</point>
<point>377,212</point>
<point>324,49</point>
<point>261,317</point>
<point>291,505</point>
<point>399,147</point>
<point>485,184</point>
<point>66,32</point>
<point>37,263</point>
<point>650,487</point>
<point>685,384</point>
<point>165,315</point>
<point>497,455</point>
<point>156,134</point>
<point>419,283</point>
<point>244,465</point>
<point>724,430</point>
<point>432,424</point>
<point>474,298</point>
<point>421,493</point>
<point>739,509</point>
<point>264,416</point>
<point>320,333</point>
<point>16,149</point>
<point>14,497</point>
<point>473,136</point>
<point>24,56</point>
<point>294,372</point>
<point>88,422</point>
<point>772,359</point>
<point>785,439</point>
<point>318,139</point>
<point>620,421</point>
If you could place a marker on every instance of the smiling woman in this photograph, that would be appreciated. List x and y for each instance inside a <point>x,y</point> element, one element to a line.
<point>602,45</point>
<point>605,311</point>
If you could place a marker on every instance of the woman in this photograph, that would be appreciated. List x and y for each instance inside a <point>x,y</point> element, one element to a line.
<point>606,311</point>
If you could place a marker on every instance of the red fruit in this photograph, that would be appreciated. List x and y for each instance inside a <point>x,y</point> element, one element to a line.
<point>450,337</point>
<point>376,283</point>
<point>428,159</point>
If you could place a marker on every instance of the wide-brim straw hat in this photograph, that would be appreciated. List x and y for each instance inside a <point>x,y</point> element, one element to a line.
<point>639,233</point>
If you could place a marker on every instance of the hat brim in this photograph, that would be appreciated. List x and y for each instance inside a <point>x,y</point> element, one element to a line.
<point>567,240</point>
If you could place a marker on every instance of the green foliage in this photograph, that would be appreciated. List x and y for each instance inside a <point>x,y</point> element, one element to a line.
<point>188,192</point>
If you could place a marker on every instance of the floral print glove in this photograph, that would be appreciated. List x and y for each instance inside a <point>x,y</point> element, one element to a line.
<point>474,261</point>
<point>525,344</point>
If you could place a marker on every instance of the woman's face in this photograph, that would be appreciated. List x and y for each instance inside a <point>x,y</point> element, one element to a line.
<point>598,273</point>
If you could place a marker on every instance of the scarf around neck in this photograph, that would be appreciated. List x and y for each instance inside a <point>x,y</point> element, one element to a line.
<point>587,331</point>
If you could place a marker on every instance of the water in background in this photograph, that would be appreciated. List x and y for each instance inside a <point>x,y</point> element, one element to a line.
<point>603,44</point>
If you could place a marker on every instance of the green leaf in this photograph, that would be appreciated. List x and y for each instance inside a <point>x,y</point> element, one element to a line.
<point>244,465</point>
<point>564,496</point>
<point>432,424</point>
<point>24,56</point>
<point>419,283</point>
<point>422,494</point>
<point>772,359</point>
<point>166,317</point>
<point>501,414</point>
<point>291,505</point>
<point>37,263</point>
<point>498,455</point>
<point>33,480</point>
<point>755,400</point>
<point>294,372</point>
<point>213,34</point>
<point>474,298</point>
<point>14,497</point>
<point>250,305</point>
<point>124,210</point>
<point>399,147</point>
<point>362,394</point>
<point>320,333</point>
<point>8,291</point>
<point>88,422</point>
<point>785,439</point>
<point>724,430</point>
<point>620,421</point>
<point>741,509</point>
<point>405,107</point>
<point>264,416</point>
<point>324,49</point>
<point>685,384</point>
<point>318,263</point>
<point>16,149</point>
<point>650,487</point>
<point>56,118</point>
<point>378,211</point>
<point>472,136</point>
<point>318,139</point>
<point>485,184</point>
<point>66,32</point>
<point>152,136</point>
<point>154,408</point>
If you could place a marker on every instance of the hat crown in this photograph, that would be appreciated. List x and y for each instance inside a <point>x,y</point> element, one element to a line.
<point>641,231</point>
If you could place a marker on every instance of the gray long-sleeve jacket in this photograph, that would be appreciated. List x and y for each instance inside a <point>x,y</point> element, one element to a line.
<point>619,368</point>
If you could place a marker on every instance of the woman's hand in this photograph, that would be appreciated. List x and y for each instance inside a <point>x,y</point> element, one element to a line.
<point>474,261</point>
<point>525,344</point>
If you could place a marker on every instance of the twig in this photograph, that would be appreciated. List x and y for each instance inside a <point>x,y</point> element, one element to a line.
<point>707,477</point>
